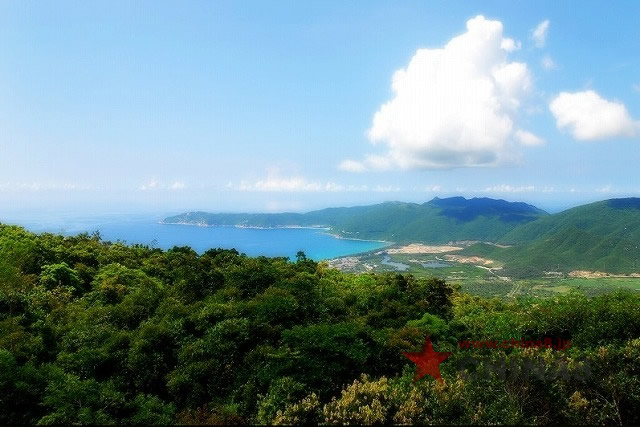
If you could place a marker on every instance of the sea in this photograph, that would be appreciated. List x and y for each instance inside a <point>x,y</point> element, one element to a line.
<point>316,243</point>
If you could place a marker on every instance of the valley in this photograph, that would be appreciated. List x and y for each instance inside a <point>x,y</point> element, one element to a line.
<point>481,276</point>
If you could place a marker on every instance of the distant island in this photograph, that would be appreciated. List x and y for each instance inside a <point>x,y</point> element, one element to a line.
<point>601,236</point>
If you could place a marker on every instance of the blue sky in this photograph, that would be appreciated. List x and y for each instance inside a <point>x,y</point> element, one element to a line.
<point>288,105</point>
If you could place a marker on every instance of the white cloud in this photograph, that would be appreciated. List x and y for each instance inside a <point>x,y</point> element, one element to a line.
<point>385,188</point>
<point>378,162</point>
<point>274,183</point>
<point>527,138</point>
<point>178,185</point>
<point>504,188</point>
<point>605,189</point>
<point>41,186</point>
<point>588,116</point>
<point>547,63</point>
<point>352,166</point>
<point>454,106</point>
<point>510,45</point>
<point>282,184</point>
<point>332,186</point>
<point>157,185</point>
<point>151,185</point>
<point>539,34</point>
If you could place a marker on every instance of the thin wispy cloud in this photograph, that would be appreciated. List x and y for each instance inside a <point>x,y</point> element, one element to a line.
<point>298,184</point>
<point>178,185</point>
<point>547,63</point>
<point>293,184</point>
<point>539,34</point>
<point>42,186</point>
<point>528,138</point>
<point>505,188</point>
<point>157,185</point>
<point>352,166</point>
<point>386,189</point>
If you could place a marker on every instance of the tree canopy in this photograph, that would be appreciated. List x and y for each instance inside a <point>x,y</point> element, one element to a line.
<point>101,332</point>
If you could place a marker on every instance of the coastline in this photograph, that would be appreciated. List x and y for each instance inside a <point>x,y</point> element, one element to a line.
<point>280,227</point>
<point>254,227</point>
<point>338,236</point>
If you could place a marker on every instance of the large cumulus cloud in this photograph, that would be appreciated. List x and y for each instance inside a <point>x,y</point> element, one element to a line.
<point>454,106</point>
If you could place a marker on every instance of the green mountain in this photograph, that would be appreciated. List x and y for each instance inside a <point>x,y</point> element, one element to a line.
<point>436,221</point>
<point>601,236</point>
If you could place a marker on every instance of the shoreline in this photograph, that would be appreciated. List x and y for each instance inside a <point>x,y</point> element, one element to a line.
<point>253,227</point>
<point>338,236</point>
<point>281,227</point>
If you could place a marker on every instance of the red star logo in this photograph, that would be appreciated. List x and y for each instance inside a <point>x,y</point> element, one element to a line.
<point>428,361</point>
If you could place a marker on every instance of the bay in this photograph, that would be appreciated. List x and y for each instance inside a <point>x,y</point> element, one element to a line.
<point>317,244</point>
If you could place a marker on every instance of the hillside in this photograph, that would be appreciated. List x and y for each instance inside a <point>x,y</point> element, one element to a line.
<point>436,221</point>
<point>601,236</point>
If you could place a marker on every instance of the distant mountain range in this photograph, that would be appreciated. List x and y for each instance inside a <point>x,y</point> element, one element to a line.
<point>603,236</point>
<point>436,221</point>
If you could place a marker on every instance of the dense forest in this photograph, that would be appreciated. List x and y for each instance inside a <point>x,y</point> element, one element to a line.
<point>100,332</point>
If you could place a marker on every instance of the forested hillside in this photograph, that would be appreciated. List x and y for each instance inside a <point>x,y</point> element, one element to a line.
<point>601,236</point>
<point>99,332</point>
<point>436,221</point>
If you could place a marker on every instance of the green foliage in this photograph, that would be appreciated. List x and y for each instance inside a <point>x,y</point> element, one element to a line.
<point>276,306</point>
<point>282,392</point>
<point>114,281</point>
<point>94,332</point>
<point>362,402</point>
<point>304,412</point>
<point>430,324</point>
<point>60,275</point>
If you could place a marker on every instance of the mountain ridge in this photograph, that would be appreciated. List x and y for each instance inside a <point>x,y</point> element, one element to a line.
<point>438,220</point>
<point>602,236</point>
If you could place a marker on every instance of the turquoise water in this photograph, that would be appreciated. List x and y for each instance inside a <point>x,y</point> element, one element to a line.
<point>316,243</point>
<point>386,260</point>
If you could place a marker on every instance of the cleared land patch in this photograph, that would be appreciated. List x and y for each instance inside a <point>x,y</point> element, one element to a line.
<point>584,274</point>
<point>419,248</point>
<point>476,260</point>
